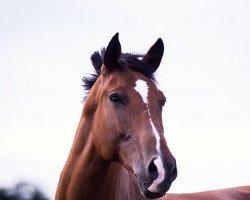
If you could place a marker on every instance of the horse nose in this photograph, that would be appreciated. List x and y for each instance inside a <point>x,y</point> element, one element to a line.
<point>152,170</point>
<point>161,175</point>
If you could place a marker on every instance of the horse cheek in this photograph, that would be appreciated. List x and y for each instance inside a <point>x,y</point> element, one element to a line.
<point>105,145</point>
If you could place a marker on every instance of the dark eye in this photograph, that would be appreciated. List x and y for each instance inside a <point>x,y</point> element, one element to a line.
<point>115,98</point>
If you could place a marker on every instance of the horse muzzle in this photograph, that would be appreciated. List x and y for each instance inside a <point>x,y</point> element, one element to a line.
<point>156,180</point>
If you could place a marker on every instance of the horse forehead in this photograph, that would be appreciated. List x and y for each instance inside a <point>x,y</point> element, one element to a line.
<point>120,79</point>
<point>127,80</point>
<point>141,87</point>
<point>148,90</point>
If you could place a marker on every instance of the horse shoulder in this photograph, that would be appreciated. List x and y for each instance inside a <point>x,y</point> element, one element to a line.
<point>190,196</point>
<point>241,193</point>
<point>238,193</point>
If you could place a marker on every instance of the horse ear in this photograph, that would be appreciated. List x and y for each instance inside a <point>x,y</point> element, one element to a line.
<point>112,53</point>
<point>154,55</point>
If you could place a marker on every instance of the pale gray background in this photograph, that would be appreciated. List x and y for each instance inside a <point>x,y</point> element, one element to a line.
<point>205,73</point>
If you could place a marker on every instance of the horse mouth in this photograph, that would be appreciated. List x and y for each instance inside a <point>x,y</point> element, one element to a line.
<point>153,195</point>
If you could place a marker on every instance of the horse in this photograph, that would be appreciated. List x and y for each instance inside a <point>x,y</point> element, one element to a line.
<point>119,151</point>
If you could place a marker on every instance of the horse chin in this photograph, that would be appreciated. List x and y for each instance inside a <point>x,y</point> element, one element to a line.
<point>152,195</point>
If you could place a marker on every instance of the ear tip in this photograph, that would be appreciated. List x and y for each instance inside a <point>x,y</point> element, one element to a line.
<point>116,36</point>
<point>160,41</point>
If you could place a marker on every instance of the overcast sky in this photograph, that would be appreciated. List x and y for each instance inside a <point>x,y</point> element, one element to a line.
<point>45,48</point>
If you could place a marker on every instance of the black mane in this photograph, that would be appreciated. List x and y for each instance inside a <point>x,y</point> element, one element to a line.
<point>127,60</point>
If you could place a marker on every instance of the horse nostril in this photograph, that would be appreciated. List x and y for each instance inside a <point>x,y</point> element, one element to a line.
<point>152,170</point>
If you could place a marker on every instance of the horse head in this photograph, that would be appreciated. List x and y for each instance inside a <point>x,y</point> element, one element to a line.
<point>126,108</point>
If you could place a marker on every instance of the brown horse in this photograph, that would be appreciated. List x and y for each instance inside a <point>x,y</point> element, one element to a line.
<point>119,151</point>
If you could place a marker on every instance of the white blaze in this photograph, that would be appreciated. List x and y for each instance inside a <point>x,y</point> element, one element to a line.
<point>157,136</point>
<point>142,88</point>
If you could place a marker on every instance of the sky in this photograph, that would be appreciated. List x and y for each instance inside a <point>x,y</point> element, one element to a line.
<point>45,49</point>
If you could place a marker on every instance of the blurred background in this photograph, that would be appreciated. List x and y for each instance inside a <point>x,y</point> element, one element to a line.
<point>45,48</point>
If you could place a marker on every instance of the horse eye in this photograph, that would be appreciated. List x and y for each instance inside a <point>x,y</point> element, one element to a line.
<point>115,98</point>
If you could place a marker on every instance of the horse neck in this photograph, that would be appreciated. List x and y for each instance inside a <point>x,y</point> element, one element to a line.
<point>87,176</point>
